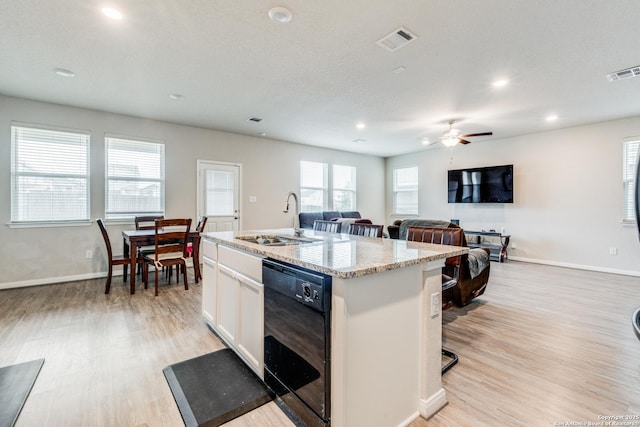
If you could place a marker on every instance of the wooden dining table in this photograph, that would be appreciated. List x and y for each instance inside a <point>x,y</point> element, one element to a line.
<point>133,239</point>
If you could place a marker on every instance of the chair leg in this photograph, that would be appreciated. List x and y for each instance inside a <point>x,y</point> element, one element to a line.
<point>184,271</point>
<point>156,274</point>
<point>452,362</point>
<point>108,285</point>
<point>145,275</point>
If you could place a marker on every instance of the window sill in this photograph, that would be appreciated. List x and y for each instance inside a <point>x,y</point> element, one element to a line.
<point>49,224</point>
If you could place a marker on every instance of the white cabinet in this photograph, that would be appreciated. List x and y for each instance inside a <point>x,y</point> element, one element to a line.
<point>209,280</point>
<point>228,303</point>
<point>250,336</point>
<point>233,302</point>
<point>209,289</point>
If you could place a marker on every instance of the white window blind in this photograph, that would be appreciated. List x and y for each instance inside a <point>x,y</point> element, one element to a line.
<point>630,151</point>
<point>49,175</point>
<point>313,186</point>
<point>344,188</point>
<point>220,193</point>
<point>405,191</point>
<point>135,178</point>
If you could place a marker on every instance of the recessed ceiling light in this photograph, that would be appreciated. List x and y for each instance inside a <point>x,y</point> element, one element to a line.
<point>399,69</point>
<point>112,13</point>
<point>263,134</point>
<point>64,72</point>
<point>359,140</point>
<point>500,83</point>
<point>551,117</point>
<point>176,97</point>
<point>254,119</point>
<point>425,141</point>
<point>281,15</point>
<point>360,125</point>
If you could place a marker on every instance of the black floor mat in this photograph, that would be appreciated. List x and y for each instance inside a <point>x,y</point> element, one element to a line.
<point>16,382</point>
<point>215,388</point>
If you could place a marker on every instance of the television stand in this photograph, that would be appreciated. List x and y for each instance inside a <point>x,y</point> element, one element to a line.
<point>496,242</point>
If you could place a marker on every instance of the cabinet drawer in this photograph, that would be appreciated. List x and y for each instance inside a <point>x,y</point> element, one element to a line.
<point>242,262</point>
<point>209,249</point>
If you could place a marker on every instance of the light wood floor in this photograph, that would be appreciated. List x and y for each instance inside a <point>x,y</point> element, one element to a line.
<point>543,345</point>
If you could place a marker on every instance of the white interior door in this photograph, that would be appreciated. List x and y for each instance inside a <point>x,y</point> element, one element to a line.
<point>219,195</point>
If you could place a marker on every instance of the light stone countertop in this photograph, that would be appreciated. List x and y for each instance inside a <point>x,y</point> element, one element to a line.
<point>340,255</point>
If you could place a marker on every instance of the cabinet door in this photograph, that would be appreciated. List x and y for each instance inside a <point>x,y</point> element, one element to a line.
<point>250,323</point>
<point>227,307</point>
<point>209,289</point>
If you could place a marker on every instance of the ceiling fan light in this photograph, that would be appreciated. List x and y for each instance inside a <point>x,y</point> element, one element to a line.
<point>450,141</point>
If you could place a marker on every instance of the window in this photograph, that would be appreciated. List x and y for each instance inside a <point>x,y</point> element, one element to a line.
<point>315,192</point>
<point>220,192</point>
<point>135,178</point>
<point>630,151</point>
<point>344,188</point>
<point>49,175</point>
<point>405,191</point>
<point>313,186</point>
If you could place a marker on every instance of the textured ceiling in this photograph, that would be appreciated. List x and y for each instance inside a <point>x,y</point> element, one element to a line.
<point>313,79</point>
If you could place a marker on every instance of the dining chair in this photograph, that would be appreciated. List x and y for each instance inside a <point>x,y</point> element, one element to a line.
<point>366,230</point>
<point>202,222</point>
<point>145,222</point>
<point>111,259</point>
<point>170,248</point>
<point>328,226</point>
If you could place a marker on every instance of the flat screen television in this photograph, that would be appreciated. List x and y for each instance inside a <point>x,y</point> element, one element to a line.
<point>493,184</point>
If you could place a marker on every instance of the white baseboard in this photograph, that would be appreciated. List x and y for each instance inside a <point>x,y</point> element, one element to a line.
<point>59,279</point>
<point>433,404</point>
<point>577,266</point>
<point>409,420</point>
<point>53,280</point>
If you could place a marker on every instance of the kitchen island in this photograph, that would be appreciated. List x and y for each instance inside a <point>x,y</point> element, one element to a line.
<point>386,324</point>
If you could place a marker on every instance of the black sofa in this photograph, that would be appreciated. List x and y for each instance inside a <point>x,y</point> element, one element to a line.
<point>307,218</point>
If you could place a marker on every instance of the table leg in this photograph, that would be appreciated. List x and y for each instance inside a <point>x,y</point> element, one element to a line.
<point>196,258</point>
<point>125,252</point>
<point>133,252</point>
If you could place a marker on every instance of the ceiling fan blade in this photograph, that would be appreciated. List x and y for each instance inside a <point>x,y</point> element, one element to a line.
<point>464,141</point>
<point>477,134</point>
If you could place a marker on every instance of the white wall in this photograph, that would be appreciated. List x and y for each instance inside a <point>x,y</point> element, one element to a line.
<point>270,170</point>
<point>567,206</point>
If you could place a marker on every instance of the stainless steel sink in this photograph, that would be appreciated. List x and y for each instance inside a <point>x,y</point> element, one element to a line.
<point>277,240</point>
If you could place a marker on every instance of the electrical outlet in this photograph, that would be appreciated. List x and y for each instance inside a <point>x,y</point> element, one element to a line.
<point>253,199</point>
<point>613,251</point>
<point>88,253</point>
<point>435,304</point>
<point>513,245</point>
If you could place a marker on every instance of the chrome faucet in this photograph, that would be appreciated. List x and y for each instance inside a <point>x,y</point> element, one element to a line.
<point>296,230</point>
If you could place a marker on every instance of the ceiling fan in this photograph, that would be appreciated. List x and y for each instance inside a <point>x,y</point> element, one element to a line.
<point>452,136</point>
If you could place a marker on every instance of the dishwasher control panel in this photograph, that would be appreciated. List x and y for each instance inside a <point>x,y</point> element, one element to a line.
<point>308,287</point>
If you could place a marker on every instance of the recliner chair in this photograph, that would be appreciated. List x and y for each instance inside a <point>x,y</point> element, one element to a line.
<point>467,274</point>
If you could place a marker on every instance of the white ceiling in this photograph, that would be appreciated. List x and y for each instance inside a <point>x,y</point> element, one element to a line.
<point>313,79</point>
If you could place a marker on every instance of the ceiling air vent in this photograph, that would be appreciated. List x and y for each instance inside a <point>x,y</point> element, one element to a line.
<point>624,74</point>
<point>396,39</point>
<point>254,119</point>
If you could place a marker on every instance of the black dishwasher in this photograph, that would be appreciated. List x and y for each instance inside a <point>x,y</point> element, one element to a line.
<point>297,338</point>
